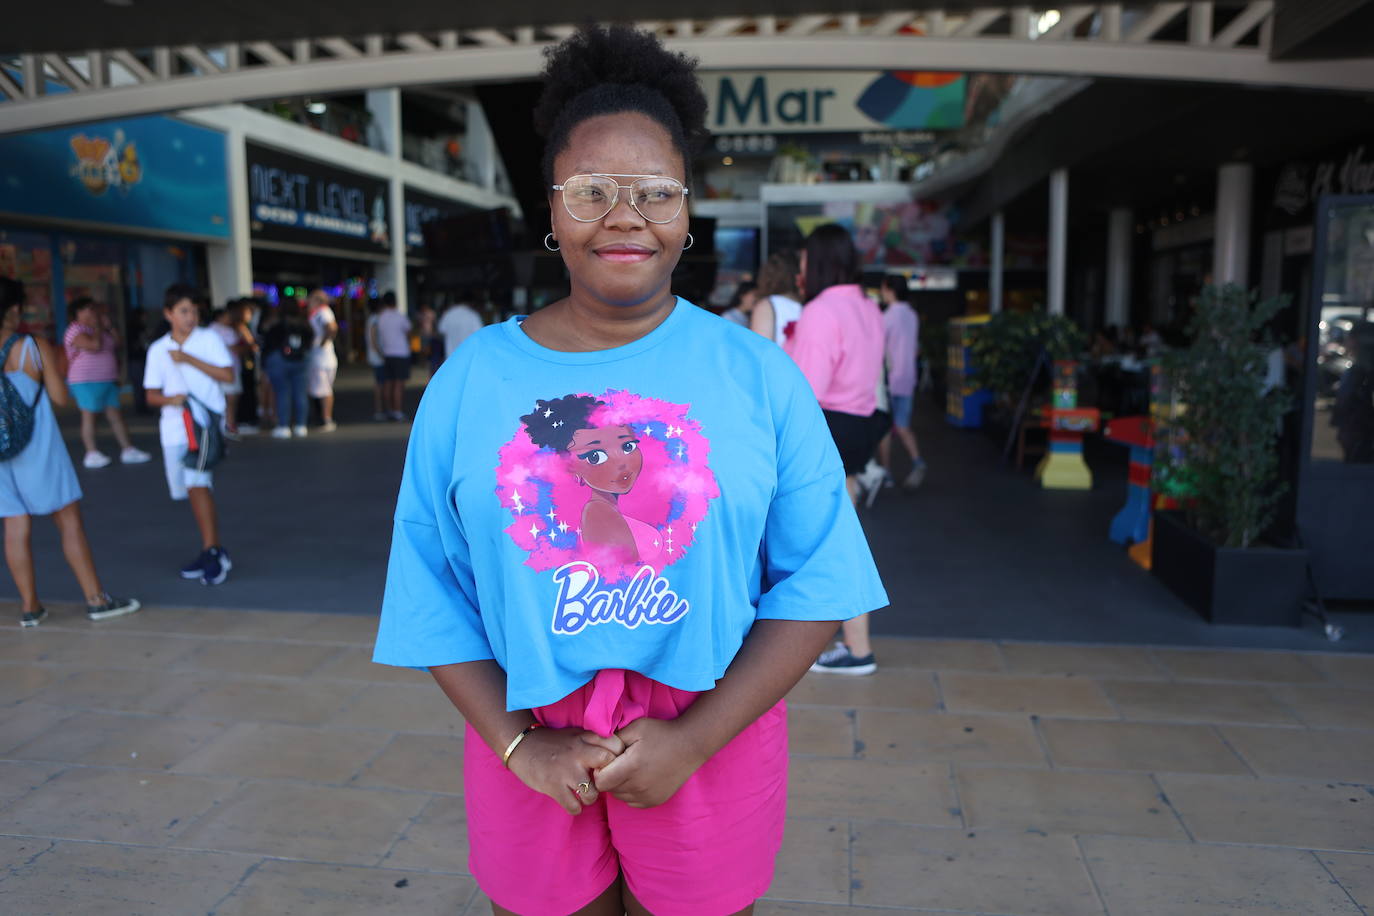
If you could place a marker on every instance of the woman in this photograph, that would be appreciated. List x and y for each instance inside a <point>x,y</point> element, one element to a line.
<point>40,480</point>
<point>232,327</point>
<point>92,373</point>
<point>626,737</point>
<point>838,344</point>
<point>286,346</point>
<point>776,309</point>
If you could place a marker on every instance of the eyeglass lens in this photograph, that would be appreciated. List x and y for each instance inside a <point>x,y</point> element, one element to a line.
<point>591,197</point>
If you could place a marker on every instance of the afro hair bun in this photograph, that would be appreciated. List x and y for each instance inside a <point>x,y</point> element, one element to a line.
<point>610,69</point>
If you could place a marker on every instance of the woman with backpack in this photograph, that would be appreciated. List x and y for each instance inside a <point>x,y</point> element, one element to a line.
<point>285,347</point>
<point>36,473</point>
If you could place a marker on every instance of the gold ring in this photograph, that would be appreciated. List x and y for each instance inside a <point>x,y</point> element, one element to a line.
<point>582,787</point>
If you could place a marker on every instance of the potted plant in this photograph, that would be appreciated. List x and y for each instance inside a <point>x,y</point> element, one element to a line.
<point>1006,351</point>
<point>1222,467</point>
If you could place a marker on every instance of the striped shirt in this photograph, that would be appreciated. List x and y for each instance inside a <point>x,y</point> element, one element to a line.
<point>87,365</point>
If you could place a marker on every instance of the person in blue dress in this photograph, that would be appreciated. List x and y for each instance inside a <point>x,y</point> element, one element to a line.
<point>40,480</point>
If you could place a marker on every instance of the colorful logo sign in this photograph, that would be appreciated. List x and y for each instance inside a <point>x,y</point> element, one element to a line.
<point>102,164</point>
<point>821,101</point>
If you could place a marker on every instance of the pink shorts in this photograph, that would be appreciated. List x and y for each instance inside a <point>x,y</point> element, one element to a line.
<point>707,851</point>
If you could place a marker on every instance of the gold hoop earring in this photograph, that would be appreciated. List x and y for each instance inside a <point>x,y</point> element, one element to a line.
<point>549,238</point>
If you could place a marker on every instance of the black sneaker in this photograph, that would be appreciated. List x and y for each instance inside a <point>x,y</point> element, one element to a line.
<point>34,618</point>
<point>112,607</point>
<point>196,568</point>
<point>217,566</point>
<point>839,660</point>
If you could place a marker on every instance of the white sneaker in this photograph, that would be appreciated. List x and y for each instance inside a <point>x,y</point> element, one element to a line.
<point>917,475</point>
<point>328,426</point>
<point>133,455</point>
<point>300,432</point>
<point>281,432</point>
<point>95,460</point>
<point>871,481</point>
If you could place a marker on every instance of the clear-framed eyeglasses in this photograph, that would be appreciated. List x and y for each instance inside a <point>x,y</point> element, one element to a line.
<point>589,198</point>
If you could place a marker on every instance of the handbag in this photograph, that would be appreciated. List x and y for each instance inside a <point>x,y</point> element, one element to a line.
<point>205,444</point>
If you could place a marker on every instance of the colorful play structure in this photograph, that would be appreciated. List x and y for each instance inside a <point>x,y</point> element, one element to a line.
<point>964,397</point>
<point>1063,467</point>
<point>1146,436</point>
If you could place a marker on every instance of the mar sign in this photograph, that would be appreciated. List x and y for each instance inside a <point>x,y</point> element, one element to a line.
<point>793,101</point>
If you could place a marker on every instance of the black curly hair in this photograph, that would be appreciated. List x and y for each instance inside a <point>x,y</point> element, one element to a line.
<point>552,423</point>
<point>609,70</point>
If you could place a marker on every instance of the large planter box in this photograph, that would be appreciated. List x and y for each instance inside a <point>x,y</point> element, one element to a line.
<point>1256,586</point>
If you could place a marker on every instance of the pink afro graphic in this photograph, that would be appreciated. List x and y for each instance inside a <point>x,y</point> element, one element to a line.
<point>616,480</point>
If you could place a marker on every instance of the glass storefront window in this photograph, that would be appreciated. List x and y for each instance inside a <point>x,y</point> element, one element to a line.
<point>1343,422</point>
<point>27,257</point>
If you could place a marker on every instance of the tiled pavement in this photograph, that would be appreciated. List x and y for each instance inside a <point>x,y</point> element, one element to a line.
<point>235,762</point>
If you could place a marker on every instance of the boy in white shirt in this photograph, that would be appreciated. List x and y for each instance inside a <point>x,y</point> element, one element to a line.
<point>189,360</point>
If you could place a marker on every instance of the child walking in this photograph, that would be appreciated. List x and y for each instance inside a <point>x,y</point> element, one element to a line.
<point>187,368</point>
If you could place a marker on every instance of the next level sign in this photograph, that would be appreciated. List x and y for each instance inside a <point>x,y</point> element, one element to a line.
<point>793,101</point>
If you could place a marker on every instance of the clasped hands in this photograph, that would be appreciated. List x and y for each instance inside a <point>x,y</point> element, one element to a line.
<point>642,765</point>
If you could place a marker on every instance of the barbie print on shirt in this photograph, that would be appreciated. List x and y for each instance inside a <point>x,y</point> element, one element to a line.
<point>607,492</point>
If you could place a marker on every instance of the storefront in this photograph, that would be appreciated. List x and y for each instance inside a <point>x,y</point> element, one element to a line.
<point>117,211</point>
<point>314,225</point>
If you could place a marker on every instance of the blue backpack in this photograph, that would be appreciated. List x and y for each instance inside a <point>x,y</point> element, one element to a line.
<point>16,416</point>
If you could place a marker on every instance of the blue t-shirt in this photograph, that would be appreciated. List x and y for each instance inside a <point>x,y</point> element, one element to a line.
<point>637,508</point>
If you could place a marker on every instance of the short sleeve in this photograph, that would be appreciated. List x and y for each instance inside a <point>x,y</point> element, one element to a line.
<point>155,372</point>
<point>429,606</point>
<point>816,561</point>
<point>216,353</point>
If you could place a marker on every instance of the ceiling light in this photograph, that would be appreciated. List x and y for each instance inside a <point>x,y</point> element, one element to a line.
<point>316,108</point>
<point>1048,20</point>
<point>728,160</point>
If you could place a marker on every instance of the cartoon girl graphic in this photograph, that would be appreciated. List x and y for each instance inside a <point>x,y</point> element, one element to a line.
<point>605,459</point>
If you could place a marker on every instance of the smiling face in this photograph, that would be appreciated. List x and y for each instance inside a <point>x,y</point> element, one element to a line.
<point>622,259</point>
<point>606,458</point>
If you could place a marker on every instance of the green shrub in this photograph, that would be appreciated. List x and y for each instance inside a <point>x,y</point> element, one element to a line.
<point>1006,348</point>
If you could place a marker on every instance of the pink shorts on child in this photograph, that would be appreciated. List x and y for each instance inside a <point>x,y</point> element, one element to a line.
<point>708,851</point>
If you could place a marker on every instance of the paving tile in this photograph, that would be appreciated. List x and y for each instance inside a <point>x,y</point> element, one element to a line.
<point>1087,661</point>
<point>768,907</point>
<point>1044,696</point>
<point>396,707</point>
<point>1330,707</point>
<point>1350,670</point>
<point>93,879</point>
<point>944,654</point>
<point>318,823</point>
<point>1306,815</point>
<point>894,735</point>
<point>1190,702</point>
<point>813,864</point>
<point>901,687</point>
<point>970,871</point>
<point>436,841</point>
<point>19,779</point>
<point>38,644</point>
<point>357,664</point>
<point>118,739</point>
<point>429,763</point>
<point>1239,665</point>
<point>820,731</point>
<point>1138,746</point>
<point>18,682</point>
<point>255,657</point>
<point>115,806</point>
<point>214,622</point>
<point>479,905</point>
<point>1150,878</point>
<point>150,691</point>
<point>1355,873</point>
<point>1347,756</point>
<point>334,890</point>
<point>267,750</point>
<point>912,793</point>
<point>286,700</point>
<point>102,647</point>
<point>358,629</point>
<point>25,721</point>
<point>1055,801</point>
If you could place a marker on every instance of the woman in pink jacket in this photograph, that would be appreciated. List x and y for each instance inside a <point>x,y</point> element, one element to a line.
<point>838,344</point>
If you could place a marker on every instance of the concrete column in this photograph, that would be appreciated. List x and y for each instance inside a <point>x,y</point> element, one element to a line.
<point>1119,227</point>
<point>231,264</point>
<point>1231,248</point>
<point>385,131</point>
<point>998,265</point>
<point>1059,239</point>
<point>480,146</point>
